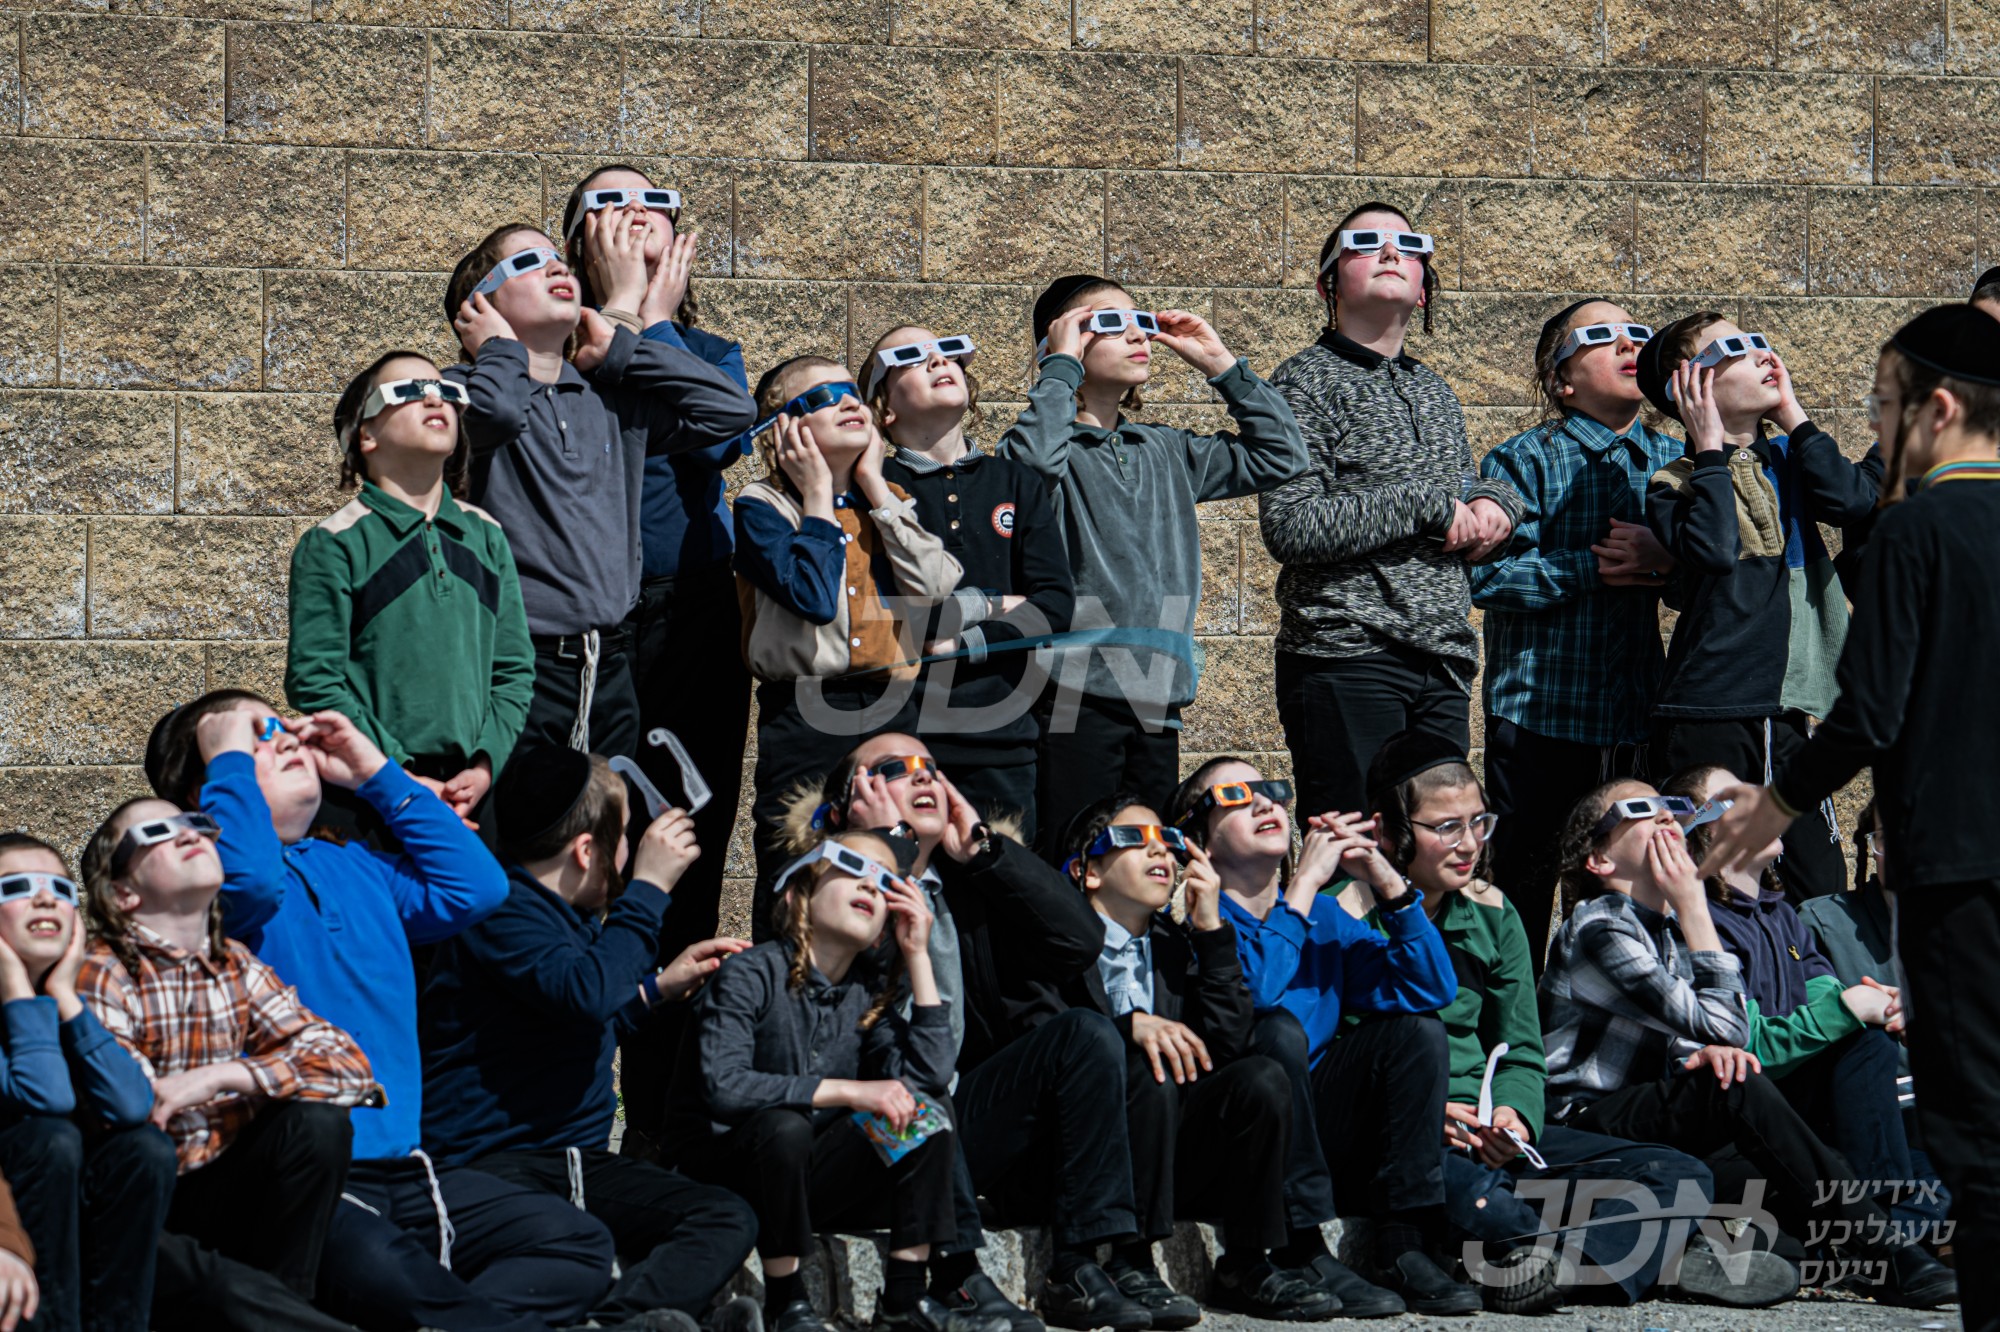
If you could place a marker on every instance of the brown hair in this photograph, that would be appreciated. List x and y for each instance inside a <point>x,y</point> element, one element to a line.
<point>770,396</point>
<point>174,765</point>
<point>1692,782</point>
<point>1430,278</point>
<point>474,267</point>
<point>21,841</point>
<point>347,428</point>
<point>1189,793</point>
<point>792,914</point>
<point>1914,385</point>
<point>109,921</point>
<point>878,401</point>
<point>688,310</point>
<point>1574,881</point>
<point>1400,803</point>
<point>599,811</point>
<point>1132,401</point>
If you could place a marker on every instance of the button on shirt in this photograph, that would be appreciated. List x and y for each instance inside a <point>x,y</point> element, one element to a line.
<point>1125,965</point>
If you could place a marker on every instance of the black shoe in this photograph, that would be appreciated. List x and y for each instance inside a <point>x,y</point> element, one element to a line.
<point>1425,1288</point>
<point>1263,1291</point>
<point>1090,1299</point>
<point>738,1313</point>
<point>1531,1279</point>
<point>930,1316</point>
<point>799,1316</point>
<point>1751,1279</point>
<point>1357,1298</point>
<point>980,1295</point>
<point>1916,1281</point>
<point>1165,1307</point>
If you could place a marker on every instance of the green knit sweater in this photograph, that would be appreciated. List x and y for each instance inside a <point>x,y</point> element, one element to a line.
<point>413,629</point>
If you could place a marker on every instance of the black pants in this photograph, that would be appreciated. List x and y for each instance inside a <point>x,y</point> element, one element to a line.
<point>1532,783</point>
<point>267,1201</point>
<point>1848,1095</point>
<point>519,1261</point>
<point>797,745</point>
<point>1338,711</point>
<point>802,1177</point>
<point>1105,750</point>
<point>687,660</point>
<point>1211,1149</point>
<point>1000,793</point>
<point>678,1241</point>
<point>199,1290</point>
<point>559,675</point>
<point>1814,862</point>
<point>1695,1113</point>
<point>1379,1096</point>
<point>1043,1131</point>
<point>1950,936</point>
<point>92,1207</point>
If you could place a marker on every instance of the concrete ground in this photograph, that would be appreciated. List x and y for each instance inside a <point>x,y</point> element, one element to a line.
<point>1811,1312</point>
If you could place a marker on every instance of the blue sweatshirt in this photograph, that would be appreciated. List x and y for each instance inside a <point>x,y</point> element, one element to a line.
<point>683,518</point>
<point>338,921</point>
<point>51,1067</point>
<point>1318,967</point>
<point>521,1015</point>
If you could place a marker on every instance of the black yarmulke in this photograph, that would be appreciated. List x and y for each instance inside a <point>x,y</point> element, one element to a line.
<point>539,788</point>
<point>1991,275</point>
<point>1058,293</point>
<point>1403,756</point>
<point>1955,340</point>
<point>1654,373</point>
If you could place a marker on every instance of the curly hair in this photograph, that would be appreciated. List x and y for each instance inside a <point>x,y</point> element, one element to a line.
<point>792,916</point>
<point>686,314</point>
<point>109,921</point>
<point>1574,881</point>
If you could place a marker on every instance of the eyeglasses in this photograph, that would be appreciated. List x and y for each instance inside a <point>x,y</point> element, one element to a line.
<point>812,400</point>
<point>1371,241</point>
<point>155,831</point>
<point>1640,807</point>
<point>13,886</point>
<point>846,860</point>
<point>658,201</point>
<point>1600,335</point>
<point>1122,836</point>
<point>1233,795</point>
<point>1708,813</point>
<point>895,769</point>
<point>526,261</point>
<point>1736,344</point>
<point>1873,402</point>
<point>1452,831</point>
<point>1117,321</point>
<point>957,347</point>
<point>399,391</point>
<point>1878,844</point>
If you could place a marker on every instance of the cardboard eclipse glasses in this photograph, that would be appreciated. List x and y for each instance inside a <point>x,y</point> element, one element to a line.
<point>1371,240</point>
<point>958,347</point>
<point>1723,349</point>
<point>658,201</point>
<point>524,261</point>
<point>399,391</point>
<point>1601,335</point>
<point>1234,795</point>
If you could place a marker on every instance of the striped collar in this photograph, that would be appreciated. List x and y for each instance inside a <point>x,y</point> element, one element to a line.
<point>1972,469</point>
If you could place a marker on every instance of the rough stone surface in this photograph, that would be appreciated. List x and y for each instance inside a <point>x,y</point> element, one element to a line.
<point>89,702</point>
<point>1893,242</point>
<point>1900,36</point>
<point>1515,32</point>
<point>1165,25</point>
<point>1443,120</point>
<point>121,78</point>
<point>871,105</point>
<point>396,218</point>
<point>63,805</point>
<point>281,207</point>
<point>312,83</point>
<point>818,220</point>
<point>322,328</point>
<point>1053,111</point>
<point>87,452</point>
<point>42,587</point>
<point>257,453</point>
<point>28,339</point>
<point>189,577</point>
<point>1548,236</point>
<point>990,24</point>
<point>1274,115</point>
<point>44,216</point>
<point>1790,128</point>
<point>1190,228</point>
<point>1937,132</point>
<point>1619,124</point>
<point>1344,29</point>
<point>186,328</point>
<point>1753,238</point>
<point>710,99</point>
<point>1724,34</point>
<point>524,91</point>
<point>1012,225</point>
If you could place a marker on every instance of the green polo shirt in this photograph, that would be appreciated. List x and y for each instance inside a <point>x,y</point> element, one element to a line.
<point>413,628</point>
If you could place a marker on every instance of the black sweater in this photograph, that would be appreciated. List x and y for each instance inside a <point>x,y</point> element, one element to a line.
<point>1197,981</point>
<point>1915,699</point>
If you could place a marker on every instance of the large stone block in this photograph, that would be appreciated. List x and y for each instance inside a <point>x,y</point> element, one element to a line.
<point>652,18</point>
<point>492,90</point>
<point>995,316</point>
<point>1423,120</point>
<point>107,77</point>
<point>1866,36</point>
<point>1829,343</point>
<point>774,320</point>
<point>258,453</point>
<point>1268,326</point>
<point>1235,706</point>
<point>1721,34</point>
<point>1515,32</point>
<point>44,215</point>
<point>1548,235</point>
<point>10,77</point>
<point>86,452</point>
<point>1974,46</point>
<point>89,702</point>
<point>414,13</point>
<point>189,577</point>
<point>1182,26</point>
<point>872,105</point>
<point>1894,242</point>
<point>247,206</point>
<point>1266,115</point>
<point>322,328</point>
<point>1618,124</point>
<point>710,99</point>
<point>829,221</point>
<point>1003,225</point>
<point>257,667</point>
<point>28,338</point>
<point>798,20</point>
<point>1055,110</point>
<point>267,11</point>
<point>64,805</point>
<point>1345,29</point>
<point>316,84</point>
<point>1741,237</point>
<point>981,24</point>
<point>1195,228</point>
<point>148,328</point>
<point>424,210</point>
<point>1790,128</point>
<point>1314,205</point>
<point>42,585</point>
<point>1937,131</point>
<point>1221,608</point>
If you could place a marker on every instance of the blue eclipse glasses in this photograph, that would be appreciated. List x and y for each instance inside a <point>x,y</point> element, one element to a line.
<point>1120,836</point>
<point>812,400</point>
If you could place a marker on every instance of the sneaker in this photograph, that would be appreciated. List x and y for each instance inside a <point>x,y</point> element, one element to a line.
<point>1749,1279</point>
<point>1356,1297</point>
<point>1264,1291</point>
<point>1916,1281</point>
<point>1425,1288</point>
<point>1531,1279</point>
<point>1090,1299</point>
<point>1166,1308</point>
<point>979,1294</point>
<point>931,1316</point>
<point>799,1316</point>
<point>738,1313</point>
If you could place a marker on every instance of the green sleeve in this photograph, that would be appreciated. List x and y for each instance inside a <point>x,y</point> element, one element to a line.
<point>1782,1044</point>
<point>1521,1079</point>
<point>513,664</point>
<point>316,658</point>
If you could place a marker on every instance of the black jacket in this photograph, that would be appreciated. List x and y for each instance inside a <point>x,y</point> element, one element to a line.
<point>1197,981</point>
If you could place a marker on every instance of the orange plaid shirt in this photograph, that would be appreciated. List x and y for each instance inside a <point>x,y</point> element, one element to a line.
<point>187,1010</point>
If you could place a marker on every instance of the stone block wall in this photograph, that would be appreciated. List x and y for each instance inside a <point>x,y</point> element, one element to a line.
<point>213,212</point>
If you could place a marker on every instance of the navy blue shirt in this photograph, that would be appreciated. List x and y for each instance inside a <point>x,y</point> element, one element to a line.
<point>683,518</point>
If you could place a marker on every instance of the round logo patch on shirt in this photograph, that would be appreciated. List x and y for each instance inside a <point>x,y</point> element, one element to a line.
<point>1003,519</point>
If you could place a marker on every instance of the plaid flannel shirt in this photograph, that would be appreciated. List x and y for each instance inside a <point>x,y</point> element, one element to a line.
<point>186,1010</point>
<point>1627,998</point>
<point>1567,657</point>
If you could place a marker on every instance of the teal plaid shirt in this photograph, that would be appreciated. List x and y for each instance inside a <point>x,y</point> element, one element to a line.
<point>1567,657</point>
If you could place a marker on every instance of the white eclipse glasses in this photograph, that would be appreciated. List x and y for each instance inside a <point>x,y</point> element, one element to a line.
<point>1601,335</point>
<point>658,201</point>
<point>1370,240</point>
<point>399,391</point>
<point>958,347</point>
<point>525,261</point>
<point>1723,349</point>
